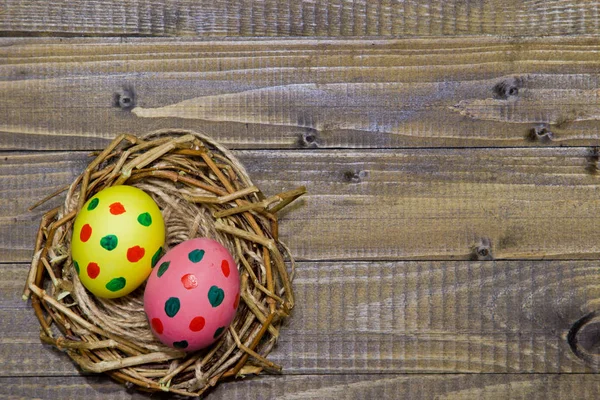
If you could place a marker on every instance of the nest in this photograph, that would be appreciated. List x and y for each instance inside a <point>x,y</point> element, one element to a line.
<point>202,191</point>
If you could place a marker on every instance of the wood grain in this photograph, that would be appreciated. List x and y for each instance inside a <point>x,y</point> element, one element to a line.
<point>76,94</point>
<point>284,18</point>
<point>446,254</point>
<point>330,387</point>
<point>392,317</point>
<point>410,204</point>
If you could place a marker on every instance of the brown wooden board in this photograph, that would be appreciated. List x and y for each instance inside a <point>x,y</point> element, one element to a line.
<point>329,387</point>
<point>448,244</point>
<point>382,18</point>
<point>393,204</point>
<point>392,317</point>
<point>74,94</point>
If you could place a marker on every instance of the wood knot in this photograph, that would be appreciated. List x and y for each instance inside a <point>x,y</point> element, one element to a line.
<point>540,133</point>
<point>482,251</point>
<point>592,160</point>
<point>309,139</point>
<point>124,98</point>
<point>584,338</point>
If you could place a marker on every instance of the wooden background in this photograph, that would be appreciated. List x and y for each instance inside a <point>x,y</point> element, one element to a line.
<point>450,240</point>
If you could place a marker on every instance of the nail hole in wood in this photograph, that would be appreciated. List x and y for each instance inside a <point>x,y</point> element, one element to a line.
<point>507,88</point>
<point>354,176</point>
<point>482,251</point>
<point>541,133</point>
<point>125,98</point>
<point>309,139</point>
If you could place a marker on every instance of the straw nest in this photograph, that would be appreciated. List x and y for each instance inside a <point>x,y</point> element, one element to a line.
<point>202,191</point>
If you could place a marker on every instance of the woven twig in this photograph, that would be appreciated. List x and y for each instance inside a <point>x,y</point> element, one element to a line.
<point>202,191</point>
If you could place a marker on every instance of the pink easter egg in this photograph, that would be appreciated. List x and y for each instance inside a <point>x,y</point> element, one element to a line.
<point>192,294</point>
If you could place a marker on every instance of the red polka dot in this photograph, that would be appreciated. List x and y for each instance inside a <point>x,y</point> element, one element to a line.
<point>225,268</point>
<point>135,253</point>
<point>197,324</point>
<point>236,302</point>
<point>157,325</point>
<point>117,208</point>
<point>93,270</point>
<point>189,281</point>
<point>86,232</point>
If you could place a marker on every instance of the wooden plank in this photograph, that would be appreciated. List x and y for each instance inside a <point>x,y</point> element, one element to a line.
<point>382,18</point>
<point>409,204</point>
<point>333,387</point>
<point>392,317</point>
<point>460,92</point>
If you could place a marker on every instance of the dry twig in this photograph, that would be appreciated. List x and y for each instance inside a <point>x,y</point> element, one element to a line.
<point>202,190</point>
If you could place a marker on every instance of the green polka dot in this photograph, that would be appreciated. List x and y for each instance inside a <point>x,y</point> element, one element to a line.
<point>116,284</point>
<point>145,219</point>
<point>163,268</point>
<point>196,255</point>
<point>215,296</point>
<point>218,332</point>
<point>76,265</point>
<point>156,256</point>
<point>172,306</point>
<point>180,345</point>
<point>93,204</point>
<point>109,242</point>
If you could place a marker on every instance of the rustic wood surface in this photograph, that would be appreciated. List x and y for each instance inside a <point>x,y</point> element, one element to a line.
<point>383,18</point>
<point>332,387</point>
<point>459,92</point>
<point>393,317</point>
<point>427,204</point>
<point>448,244</point>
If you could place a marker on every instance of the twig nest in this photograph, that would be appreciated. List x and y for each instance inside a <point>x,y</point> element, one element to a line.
<point>202,190</point>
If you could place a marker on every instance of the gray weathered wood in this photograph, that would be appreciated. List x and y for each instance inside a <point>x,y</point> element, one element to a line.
<point>467,92</point>
<point>415,74</point>
<point>329,387</point>
<point>391,317</point>
<point>409,204</point>
<point>380,18</point>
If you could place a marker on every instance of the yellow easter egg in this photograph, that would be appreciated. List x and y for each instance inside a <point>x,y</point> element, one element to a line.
<point>117,238</point>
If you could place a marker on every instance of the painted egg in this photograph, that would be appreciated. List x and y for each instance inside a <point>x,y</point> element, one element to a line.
<point>117,237</point>
<point>192,295</point>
